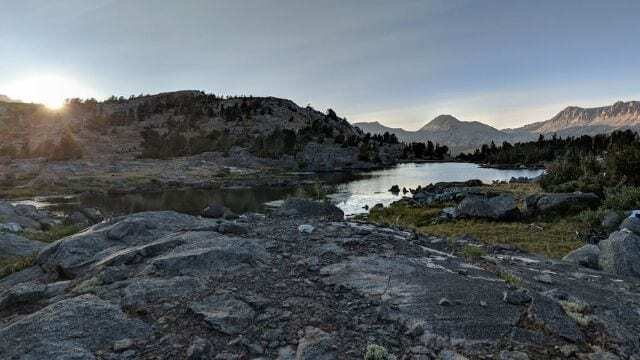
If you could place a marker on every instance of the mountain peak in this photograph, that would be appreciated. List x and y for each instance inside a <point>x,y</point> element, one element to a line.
<point>442,122</point>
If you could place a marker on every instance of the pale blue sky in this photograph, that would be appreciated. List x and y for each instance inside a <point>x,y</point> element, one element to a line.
<point>505,63</point>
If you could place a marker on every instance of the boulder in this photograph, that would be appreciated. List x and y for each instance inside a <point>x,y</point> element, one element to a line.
<point>15,245</point>
<point>310,208</point>
<point>501,207</point>
<point>214,211</point>
<point>620,253</point>
<point>552,203</point>
<point>586,256</point>
<point>632,224</point>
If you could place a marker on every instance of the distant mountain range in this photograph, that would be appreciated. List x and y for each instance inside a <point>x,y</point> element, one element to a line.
<point>463,136</point>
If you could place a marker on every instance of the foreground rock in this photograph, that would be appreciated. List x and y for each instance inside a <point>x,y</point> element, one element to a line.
<point>164,285</point>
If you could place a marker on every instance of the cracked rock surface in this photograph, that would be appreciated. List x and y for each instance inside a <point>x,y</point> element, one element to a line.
<point>164,285</point>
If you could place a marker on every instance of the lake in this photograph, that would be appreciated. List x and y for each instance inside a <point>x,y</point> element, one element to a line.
<point>351,197</point>
<point>371,188</point>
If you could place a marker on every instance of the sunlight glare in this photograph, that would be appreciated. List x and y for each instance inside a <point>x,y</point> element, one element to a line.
<point>49,90</point>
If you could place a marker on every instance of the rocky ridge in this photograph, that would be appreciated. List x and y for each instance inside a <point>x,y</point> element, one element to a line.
<point>165,285</point>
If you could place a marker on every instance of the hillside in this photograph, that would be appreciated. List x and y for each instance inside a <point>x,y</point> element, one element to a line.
<point>184,123</point>
<point>4,98</point>
<point>463,136</point>
<point>578,121</point>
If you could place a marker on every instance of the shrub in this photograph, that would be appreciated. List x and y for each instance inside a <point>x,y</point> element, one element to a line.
<point>473,252</point>
<point>622,198</point>
<point>377,352</point>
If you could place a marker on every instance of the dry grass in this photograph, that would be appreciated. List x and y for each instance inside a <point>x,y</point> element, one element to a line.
<point>10,265</point>
<point>553,237</point>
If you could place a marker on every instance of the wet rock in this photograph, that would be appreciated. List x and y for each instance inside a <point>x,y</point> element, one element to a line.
<point>310,208</point>
<point>15,245</point>
<point>620,254</point>
<point>501,207</point>
<point>586,256</point>
<point>224,313</point>
<point>77,326</point>
<point>316,345</point>
<point>560,202</point>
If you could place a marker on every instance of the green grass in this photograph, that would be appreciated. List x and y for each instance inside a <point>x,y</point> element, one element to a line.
<point>54,233</point>
<point>553,237</point>
<point>509,278</point>
<point>472,252</point>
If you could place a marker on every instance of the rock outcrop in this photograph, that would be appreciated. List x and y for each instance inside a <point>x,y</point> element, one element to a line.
<point>164,285</point>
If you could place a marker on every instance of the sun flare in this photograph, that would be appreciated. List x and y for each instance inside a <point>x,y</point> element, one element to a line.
<point>49,90</point>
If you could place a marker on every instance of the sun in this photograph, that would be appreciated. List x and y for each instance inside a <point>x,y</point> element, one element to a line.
<point>50,90</point>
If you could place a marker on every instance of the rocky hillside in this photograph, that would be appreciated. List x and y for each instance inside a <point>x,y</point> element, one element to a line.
<point>186,123</point>
<point>577,121</point>
<point>4,98</point>
<point>303,283</point>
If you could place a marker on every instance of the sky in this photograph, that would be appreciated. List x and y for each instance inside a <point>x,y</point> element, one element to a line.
<point>503,62</point>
